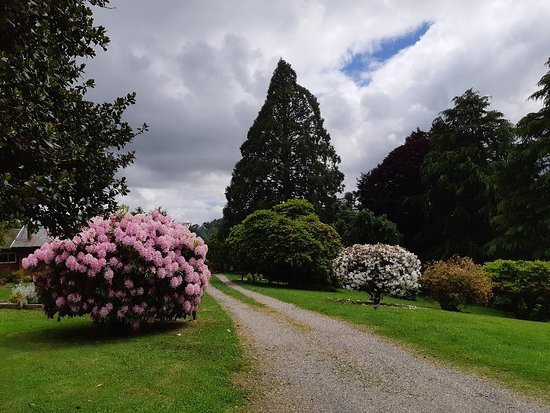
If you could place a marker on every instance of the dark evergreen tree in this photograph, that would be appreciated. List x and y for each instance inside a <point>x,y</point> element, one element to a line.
<point>364,227</point>
<point>522,221</point>
<point>59,153</point>
<point>465,143</point>
<point>287,154</point>
<point>394,188</point>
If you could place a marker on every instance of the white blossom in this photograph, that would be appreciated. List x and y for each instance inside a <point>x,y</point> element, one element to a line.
<point>378,269</point>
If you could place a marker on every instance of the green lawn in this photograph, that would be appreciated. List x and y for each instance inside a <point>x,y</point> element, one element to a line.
<point>234,293</point>
<point>68,366</point>
<point>5,291</point>
<point>480,339</point>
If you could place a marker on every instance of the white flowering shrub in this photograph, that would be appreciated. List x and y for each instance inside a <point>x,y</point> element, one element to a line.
<point>23,292</point>
<point>378,269</point>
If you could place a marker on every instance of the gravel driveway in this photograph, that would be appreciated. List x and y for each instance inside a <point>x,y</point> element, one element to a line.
<point>306,362</point>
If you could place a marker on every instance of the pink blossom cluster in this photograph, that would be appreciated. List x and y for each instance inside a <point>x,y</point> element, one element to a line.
<point>128,269</point>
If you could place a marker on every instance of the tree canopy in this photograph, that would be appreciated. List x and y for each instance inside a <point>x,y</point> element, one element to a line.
<point>465,142</point>
<point>59,153</point>
<point>364,227</point>
<point>394,187</point>
<point>522,220</point>
<point>287,243</point>
<point>287,154</point>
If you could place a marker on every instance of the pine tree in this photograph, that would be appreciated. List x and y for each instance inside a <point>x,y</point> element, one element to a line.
<point>465,143</point>
<point>522,221</point>
<point>287,154</point>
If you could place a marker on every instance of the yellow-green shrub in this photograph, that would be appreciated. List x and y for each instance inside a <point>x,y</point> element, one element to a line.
<point>456,282</point>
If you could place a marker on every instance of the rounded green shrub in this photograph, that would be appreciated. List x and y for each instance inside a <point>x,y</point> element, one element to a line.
<point>455,282</point>
<point>522,287</point>
<point>288,244</point>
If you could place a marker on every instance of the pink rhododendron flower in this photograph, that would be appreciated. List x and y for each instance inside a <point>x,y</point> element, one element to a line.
<point>176,281</point>
<point>109,274</point>
<point>119,269</point>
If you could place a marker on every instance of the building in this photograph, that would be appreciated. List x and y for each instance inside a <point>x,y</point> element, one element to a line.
<point>20,244</point>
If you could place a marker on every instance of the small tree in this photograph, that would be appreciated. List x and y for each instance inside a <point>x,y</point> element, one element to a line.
<point>456,282</point>
<point>288,243</point>
<point>378,269</point>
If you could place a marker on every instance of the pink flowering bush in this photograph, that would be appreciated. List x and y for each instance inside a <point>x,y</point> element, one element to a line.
<point>128,269</point>
<point>378,269</point>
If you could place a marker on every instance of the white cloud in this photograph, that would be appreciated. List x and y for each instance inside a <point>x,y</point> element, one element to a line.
<point>201,71</point>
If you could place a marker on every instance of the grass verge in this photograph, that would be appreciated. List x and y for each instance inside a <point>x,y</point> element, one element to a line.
<point>74,366</point>
<point>482,340</point>
<point>214,281</point>
<point>5,291</point>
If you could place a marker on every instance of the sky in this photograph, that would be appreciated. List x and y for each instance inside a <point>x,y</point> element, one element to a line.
<point>379,69</point>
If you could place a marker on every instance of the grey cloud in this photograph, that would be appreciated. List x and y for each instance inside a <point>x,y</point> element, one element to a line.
<point>201,72</point>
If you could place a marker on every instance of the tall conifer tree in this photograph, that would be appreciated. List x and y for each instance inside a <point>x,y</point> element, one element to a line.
<point>522,221</point>
<point>287,154</point>
<point>466,141</point>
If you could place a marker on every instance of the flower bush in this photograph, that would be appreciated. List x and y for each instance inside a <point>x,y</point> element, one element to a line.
<point>127,269</point>
<point>456,282</point>
<point>378,269</point>
<point>23,293</point>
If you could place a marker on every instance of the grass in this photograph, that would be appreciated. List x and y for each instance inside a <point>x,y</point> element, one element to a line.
<point>50,366</point>
<point>5,291</point>
<point>479,339</point>
<point>214,281</point>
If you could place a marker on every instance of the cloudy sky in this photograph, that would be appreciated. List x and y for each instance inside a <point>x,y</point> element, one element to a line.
<point>379,68</point>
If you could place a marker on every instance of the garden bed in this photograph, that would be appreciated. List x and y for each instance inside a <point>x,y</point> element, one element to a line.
<point>18,306</point>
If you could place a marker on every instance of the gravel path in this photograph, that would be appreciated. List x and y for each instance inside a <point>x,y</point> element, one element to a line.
<point>306,362</point>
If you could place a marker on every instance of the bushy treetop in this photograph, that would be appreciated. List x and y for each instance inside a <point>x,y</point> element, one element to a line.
<point>287,243</point>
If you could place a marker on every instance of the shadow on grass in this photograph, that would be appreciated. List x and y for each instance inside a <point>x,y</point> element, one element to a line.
<point>283,286</point>
<point>87,334</point>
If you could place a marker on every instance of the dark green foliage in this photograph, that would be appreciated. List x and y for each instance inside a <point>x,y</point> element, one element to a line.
<point>294,208</point>
<point>287,154</point>
<point>208,230</point>
<point>458,171</point>
<point>522,221</point>
<point>219,257</point>
<point>363,227</point>
<point>288,243</point>
<point>522,287</point>
<point>394,187</point>
<point>59,153</point>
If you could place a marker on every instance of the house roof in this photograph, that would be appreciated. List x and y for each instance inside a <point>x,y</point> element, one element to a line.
<point>37,239</point>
